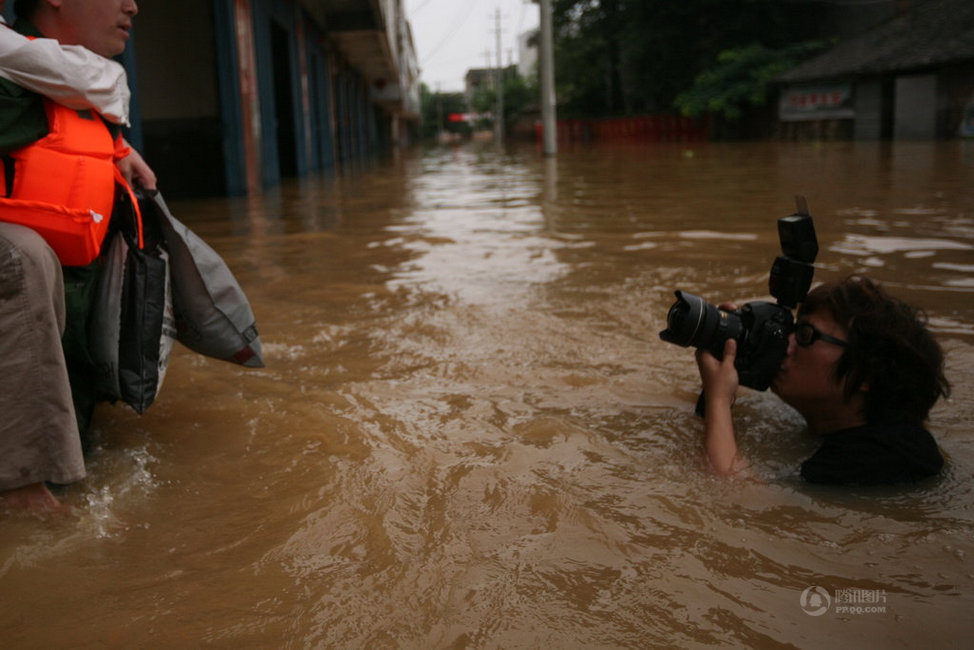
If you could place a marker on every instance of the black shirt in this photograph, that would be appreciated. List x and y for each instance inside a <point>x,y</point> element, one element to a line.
<point>874,454</point>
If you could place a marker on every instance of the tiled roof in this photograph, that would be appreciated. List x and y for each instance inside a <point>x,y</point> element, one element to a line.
<point>933,33</point>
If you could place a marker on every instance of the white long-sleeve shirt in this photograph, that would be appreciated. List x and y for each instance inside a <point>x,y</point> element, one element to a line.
<point>68,74</point>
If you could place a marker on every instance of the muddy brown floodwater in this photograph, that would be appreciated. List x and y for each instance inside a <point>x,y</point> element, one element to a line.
<point>468,434</point>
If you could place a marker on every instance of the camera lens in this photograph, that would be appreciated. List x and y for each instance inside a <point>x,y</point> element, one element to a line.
<point>694,321</point>
<point>690,321</point>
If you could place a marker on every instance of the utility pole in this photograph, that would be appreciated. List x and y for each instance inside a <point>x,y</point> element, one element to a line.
<point>549,120</point>
<point>499,120</point>
<point>439,114</point>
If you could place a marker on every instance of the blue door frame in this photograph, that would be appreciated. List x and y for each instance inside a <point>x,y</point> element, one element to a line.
<point>322,152</point>
<point>231,115</point>
<point>274,20</point>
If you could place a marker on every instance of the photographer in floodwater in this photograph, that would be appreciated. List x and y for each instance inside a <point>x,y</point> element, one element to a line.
<point>860,366</point>
<point>863,370</point>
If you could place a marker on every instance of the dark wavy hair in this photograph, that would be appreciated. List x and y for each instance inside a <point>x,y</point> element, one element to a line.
<point>891,352</point>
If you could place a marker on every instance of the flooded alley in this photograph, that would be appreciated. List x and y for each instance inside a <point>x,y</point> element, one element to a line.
<point>469,435</point>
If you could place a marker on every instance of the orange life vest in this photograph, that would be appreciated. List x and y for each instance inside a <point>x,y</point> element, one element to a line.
<point>63,185</point>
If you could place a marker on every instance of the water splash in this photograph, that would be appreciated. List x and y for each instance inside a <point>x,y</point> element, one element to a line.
<point>130,479</point>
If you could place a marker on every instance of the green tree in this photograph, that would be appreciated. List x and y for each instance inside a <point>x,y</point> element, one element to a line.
<point>436,109</point>
<point>520,97</point>
<point>617,57</point>
<point>742,77</point>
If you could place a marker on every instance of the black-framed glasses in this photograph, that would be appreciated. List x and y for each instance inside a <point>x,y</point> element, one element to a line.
<point>806,334</point>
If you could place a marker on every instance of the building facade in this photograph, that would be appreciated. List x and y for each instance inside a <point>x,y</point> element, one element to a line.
<point>911,77</point>
<point>232,96</point>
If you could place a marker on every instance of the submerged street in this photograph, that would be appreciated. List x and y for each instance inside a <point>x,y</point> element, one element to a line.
<point>468,433</point>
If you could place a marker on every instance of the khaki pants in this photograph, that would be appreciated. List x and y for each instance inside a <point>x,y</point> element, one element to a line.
<point>39,439</point>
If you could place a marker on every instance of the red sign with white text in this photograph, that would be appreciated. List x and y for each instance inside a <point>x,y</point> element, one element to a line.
<point>816,103</point>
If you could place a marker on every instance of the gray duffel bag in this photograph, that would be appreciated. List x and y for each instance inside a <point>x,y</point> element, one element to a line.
<point>212,314</point>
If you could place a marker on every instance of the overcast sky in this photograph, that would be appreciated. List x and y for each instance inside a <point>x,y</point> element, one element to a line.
<point>452,36</point>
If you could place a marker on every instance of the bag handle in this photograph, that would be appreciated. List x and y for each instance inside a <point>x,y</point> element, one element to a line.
<point>135,206</point>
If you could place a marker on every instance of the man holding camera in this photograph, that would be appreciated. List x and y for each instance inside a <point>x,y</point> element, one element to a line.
<point>862,369</point>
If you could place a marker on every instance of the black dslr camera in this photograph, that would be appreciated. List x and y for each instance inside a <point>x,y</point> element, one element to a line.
<point>761,329</point>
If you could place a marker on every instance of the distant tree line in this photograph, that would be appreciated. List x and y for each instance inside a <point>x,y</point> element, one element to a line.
<point>624,57</point>
<point>520,96</point>
<point>631,57</point>
<point>436,110</point>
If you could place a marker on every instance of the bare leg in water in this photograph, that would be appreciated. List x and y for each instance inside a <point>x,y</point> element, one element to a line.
<point>34,497</point>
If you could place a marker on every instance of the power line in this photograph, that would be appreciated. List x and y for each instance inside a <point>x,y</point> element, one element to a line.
<point>520,19</point>
<point>420,7</point>
<point>460,18</point>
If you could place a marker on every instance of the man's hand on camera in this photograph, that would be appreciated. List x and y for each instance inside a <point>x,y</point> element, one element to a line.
<point>720,380</point>
<point>720,383</point>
